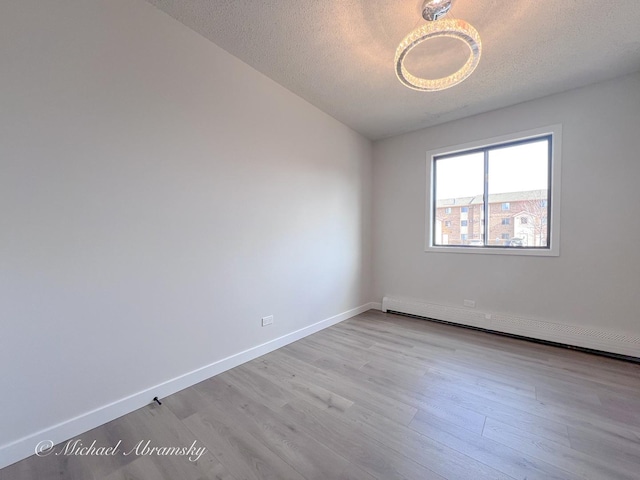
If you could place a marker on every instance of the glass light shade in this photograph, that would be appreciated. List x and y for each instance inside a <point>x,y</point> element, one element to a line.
<point>435,9</point>
<point>453,28</point>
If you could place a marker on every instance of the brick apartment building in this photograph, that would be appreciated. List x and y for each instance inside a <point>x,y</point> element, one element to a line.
<point>516,215</point>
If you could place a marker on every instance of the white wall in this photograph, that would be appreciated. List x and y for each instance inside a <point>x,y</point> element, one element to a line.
<point>157,197</point>
<point>596,279</point>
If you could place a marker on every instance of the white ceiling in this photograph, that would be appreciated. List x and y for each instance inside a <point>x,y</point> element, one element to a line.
<point>338,54</point>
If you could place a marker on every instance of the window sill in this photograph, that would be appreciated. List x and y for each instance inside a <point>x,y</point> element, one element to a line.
<point>525,252</point>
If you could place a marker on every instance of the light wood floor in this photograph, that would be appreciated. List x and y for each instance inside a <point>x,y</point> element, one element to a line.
<point>385,397</point>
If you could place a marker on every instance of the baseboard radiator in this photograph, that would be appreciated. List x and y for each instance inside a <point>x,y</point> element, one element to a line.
<point>608,342</point>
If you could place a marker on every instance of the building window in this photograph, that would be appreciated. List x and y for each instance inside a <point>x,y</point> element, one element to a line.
<point>517,173</point>
<point>464,237</point>
<point>447,223</point>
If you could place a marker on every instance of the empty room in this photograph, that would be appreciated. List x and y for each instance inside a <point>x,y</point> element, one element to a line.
<point>318,240</point>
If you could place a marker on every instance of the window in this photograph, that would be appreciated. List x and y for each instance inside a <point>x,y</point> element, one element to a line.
<point>518,173</point>
<point>447,224</point>
<point>464,237</point>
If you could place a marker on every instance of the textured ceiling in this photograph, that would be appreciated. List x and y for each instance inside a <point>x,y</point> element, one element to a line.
<point>338,54</point>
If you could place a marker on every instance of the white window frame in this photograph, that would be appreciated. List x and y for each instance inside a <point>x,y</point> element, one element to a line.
<point>553,223</point>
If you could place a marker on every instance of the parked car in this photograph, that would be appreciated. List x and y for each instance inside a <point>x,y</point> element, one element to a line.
<point>515,242</point>
<point>476,243</point>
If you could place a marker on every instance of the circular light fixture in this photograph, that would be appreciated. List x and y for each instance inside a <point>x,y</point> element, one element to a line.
<point>453,28</point>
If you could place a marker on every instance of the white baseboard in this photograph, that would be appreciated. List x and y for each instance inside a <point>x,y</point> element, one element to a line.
<point>586,337</point>
<point>25,447</point>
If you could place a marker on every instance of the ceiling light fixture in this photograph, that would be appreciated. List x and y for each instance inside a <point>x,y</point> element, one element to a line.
<point>433,11</point>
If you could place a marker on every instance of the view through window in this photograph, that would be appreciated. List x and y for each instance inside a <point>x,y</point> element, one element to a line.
<point>494,197</point>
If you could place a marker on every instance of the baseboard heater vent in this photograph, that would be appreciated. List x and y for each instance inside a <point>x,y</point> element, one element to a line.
<point>594,340</point>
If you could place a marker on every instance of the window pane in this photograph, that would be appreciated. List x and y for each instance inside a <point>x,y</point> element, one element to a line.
<point>459,189</point>
<point>518,179</point>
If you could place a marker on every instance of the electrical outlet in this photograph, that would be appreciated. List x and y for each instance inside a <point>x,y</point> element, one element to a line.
<point>470,303</point>
<point>487,316</point>
<point>267,320</point>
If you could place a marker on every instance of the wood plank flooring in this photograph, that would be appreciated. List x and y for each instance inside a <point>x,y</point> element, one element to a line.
<point>383,397</point>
